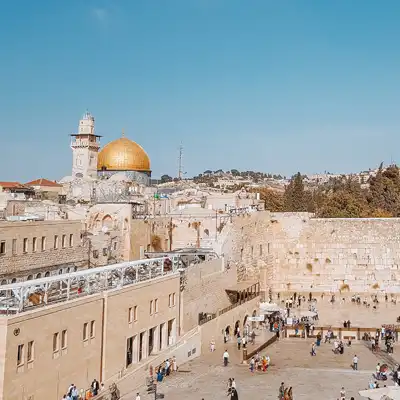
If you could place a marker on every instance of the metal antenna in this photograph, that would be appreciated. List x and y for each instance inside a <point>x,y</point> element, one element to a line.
<point>180,168</point>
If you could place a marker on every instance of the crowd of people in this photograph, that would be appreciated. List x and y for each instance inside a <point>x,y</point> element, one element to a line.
<point>73,393</point>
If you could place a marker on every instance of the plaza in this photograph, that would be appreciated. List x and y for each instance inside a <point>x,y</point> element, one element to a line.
<point>321,376</point>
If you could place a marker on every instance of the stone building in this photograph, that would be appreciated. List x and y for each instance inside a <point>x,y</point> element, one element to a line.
<point>35,249</point>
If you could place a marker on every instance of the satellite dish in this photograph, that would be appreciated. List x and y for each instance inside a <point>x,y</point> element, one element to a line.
<point>104,229</point>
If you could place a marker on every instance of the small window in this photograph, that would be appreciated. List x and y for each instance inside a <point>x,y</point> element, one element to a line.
<point>95,254</point>
<point>260,249</point>
<point>105,251</point>
<point>85,331</point>
<point>151,307</point>
<point>20,354</point>
<point>43,243</point>
<point>55,242</point>
<point>3,247</point>
<point>31,350</point>
<point>241,254</point>
<point>115,245</point>
<point>130,315</point>
<point>64,241</point>
<point>25,245</point>
<point>56,342</point>
<point>14,247</point>
<point>156,305</point>
<point>173,299</point>
<point>47,274</point>
<point>92,329</point>
<point>71,240</point>
<point>34,244</point>
<point>170,300</point>
<point>64,339</point>
<point>38,276</point>
<point>30,277</point>
<point>135,313</point>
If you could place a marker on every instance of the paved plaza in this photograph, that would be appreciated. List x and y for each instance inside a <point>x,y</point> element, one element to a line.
<point>319,377</point>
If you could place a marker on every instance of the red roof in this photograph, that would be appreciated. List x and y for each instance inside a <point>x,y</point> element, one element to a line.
<point>12,185</point>
<point>43,182</point>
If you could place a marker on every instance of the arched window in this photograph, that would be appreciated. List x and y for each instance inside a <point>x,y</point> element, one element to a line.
<point>47,274</point>
<point>14,280</point>
<point>38,276</point>
<point>75,269</point>
<point>3,282</point>
<point>30,277</point>
<point>60,272</point>
<point>107,222</point>
<point>68,270</point>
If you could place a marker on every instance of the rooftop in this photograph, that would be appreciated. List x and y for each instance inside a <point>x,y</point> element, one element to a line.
<point>43,182</point>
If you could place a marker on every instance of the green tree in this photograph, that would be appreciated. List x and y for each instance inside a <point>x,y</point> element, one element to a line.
<point>295,199</point>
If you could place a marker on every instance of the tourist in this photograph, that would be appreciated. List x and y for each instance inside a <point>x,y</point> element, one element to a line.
<point>290,393</point>
<point>281,391</point>
<point>252,364</point>
<point>74,394</point>
<point>342,394</point>
<point>355,362</point>
<point>174,364</point>
<point>137,396</point>
<point>313,348</point>
<point>95,387</point>
<point>212,345</point>
<point>234,394</point>
<point>233,383</point>
<point>244,342</point>
<point>239,341</point>
<point>226,358</point>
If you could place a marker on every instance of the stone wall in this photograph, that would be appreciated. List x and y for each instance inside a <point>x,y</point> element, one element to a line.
<point>34,247</point>
<point>205,290</point>
<point>322,255</point>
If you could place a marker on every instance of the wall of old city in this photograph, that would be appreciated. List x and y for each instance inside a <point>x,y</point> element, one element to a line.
<point>205,290</point>
<point>38,247</point>
<point>322,255</point>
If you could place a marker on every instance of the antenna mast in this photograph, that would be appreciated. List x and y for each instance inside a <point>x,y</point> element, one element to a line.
<point>180,168</point>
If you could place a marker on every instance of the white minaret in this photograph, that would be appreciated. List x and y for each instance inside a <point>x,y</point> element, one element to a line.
<point>85,147</point>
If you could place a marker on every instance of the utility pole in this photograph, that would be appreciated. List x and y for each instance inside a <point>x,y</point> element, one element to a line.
<point>180,168</point>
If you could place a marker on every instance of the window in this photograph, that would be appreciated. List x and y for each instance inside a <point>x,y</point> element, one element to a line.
<point>241,254</point>
<point>173,299</point>
<point>38,276</point>
<point>20,355</point>
<point>156,305</point>
<point>260,249</point>
<point>115,245</point>
<point>105,251</point>
<point>47,274</point>
<point>85,331</point>
<point>55,242</point>
<point>3,247</point>
<point>95,254</point>
<point>25,245</point>
<point>30,277</point>
<point>64,241</point>
<point>56,342</point>
<point>43,243</point>
<point>14,247</point>
<point>92,329</point>
<point>130,315</point>
<point>34,244</point>
<point>135,313</point>
<point>64,339</point>
<point>31,350</point>
<point>170,300</point>
<point>71,240</point>
<point>151,307</point>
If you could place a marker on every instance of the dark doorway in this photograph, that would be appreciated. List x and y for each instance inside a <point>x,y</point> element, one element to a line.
<point>141,341</point>
<point>129,351</point>
<point>151,340</point>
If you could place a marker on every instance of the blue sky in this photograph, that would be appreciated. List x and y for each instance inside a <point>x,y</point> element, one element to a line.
<point>275,86</point>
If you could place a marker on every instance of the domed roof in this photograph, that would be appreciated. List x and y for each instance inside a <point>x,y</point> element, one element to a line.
<point>123,155</point>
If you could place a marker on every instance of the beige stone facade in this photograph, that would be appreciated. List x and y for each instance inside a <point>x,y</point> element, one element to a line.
<point>45,350</point>
<point>33,249</point>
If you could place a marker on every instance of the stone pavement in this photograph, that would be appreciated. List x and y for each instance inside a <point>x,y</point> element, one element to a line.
<point>319,377</point>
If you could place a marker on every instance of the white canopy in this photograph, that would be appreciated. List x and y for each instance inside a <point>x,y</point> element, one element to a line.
<point>385,393</point>
<point>269,308</point>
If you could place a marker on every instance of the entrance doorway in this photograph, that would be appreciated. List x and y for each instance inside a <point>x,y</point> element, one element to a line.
<point>151,340</point>
<point>237,328</point>
<point>171,332</point>
<point>129,351</point>
<point>141,343</point>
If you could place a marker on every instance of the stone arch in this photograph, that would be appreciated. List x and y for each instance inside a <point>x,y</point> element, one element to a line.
<point>107,222</point>
<point>30,277</point>
<point>47,274</point>
<point>14,280</point>
<point>38,276</point>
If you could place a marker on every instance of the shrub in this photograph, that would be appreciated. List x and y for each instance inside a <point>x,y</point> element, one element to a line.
<point>309,267</point>
<point>375,286</point>
<point>345,286</point>
<point>328,260</point>
<point>316,259</point>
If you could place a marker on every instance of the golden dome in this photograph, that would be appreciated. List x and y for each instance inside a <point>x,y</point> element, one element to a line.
<point>123,155</point>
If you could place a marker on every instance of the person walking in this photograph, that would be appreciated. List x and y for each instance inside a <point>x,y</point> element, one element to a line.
<point>313,352</point>
<point>355,362</point>
<point>239,341</point>
<point>226,358</point>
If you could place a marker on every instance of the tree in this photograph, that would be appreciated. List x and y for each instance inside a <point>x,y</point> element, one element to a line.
<point>295,199</point>
<point>166,178</point>
<point>273,200</point>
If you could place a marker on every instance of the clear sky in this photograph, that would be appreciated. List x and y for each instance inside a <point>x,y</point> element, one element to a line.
<point>274,86</point>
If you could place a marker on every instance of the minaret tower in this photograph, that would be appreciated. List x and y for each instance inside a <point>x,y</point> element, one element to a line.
<point>85,146</point>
